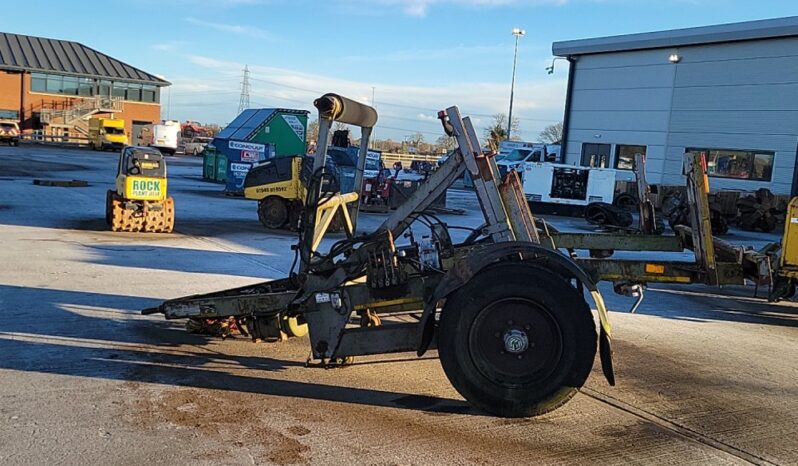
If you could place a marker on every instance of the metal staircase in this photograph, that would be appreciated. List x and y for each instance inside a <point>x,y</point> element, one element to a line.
<point>74,117</point>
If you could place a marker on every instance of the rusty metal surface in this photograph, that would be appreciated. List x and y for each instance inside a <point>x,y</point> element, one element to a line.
<point>697,190</point>
<point>391,338</point>
<point>520,217</point>
<point>226,306</point>
<point>641,271</point>
<point>617,241</point>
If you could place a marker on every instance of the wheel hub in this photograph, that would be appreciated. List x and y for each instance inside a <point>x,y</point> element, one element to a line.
<point>516,341</point>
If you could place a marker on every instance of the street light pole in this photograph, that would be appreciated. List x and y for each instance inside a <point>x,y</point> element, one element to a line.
<point>517,32</point>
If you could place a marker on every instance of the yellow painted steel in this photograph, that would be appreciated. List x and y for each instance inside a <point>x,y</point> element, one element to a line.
<point>789,243</point>
<point>289,189</point>
<point>648,278</point>
<point>601,309</point>
<point>142,188</point>
<point>326,212</point>
<point>390,302</point>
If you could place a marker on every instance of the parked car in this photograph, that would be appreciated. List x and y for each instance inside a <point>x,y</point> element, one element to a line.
<point>196,145</point>
<point>9,132</point>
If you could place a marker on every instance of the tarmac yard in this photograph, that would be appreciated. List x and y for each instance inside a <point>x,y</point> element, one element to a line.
<point>705,376</point>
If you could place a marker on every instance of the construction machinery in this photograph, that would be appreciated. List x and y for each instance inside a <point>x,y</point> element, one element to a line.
<point>107,133</point>
<point>277,186</point>
<point>139,201</point>
<point>280,184</point>
<point>506,308</point>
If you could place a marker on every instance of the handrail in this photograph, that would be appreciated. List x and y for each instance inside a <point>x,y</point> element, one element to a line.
<point>70,112</point>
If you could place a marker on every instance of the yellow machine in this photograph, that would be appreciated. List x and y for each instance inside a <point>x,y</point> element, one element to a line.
<point>280,187</point>
<point>279,190</point>
<point>139,201</point>
<point>107,133</point>
<point>786,275</point>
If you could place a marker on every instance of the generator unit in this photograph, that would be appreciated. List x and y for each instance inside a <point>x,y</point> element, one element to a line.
<point>566,189</point>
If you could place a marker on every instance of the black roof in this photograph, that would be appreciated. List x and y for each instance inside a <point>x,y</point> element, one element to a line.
<point>38,54</point>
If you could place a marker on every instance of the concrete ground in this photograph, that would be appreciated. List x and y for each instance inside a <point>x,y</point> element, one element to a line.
<point>705,376</point>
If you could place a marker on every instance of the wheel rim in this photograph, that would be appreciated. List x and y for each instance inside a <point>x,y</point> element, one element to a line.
<point>274,213</point>
<point>515,342</point>
<point>295,327</point>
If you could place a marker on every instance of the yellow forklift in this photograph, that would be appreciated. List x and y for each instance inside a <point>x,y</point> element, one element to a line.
<point>139,201</point>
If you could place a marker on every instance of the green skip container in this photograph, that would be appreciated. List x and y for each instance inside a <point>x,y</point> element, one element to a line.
<point>209,164</point>
<point>221,168</point>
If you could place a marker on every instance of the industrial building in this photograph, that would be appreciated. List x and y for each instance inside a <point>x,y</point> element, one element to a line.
<point>52,87</point>
<point>730,90</point>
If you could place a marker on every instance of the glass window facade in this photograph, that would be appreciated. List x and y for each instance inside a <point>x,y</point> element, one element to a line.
<point>85,87</point>
<point>625,155</point>
<point>752,165</point>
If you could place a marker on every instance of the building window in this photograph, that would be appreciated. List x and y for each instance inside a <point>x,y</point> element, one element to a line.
<point>625,156</point>
<point>54,84</point>
<point>85,87</point>
<point>596,155</point>
<point>149,93</point>
<point>69,85</point>
<point>57,84</point>
<point>752,165</point>
<point>133,92</point>
<point>38,82</point>
<point>104,88</point>
<point>120,90</point>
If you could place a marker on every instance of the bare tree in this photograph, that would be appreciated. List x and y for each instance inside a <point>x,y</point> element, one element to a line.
<point>446,143</point>
<point>552,134</point>
<point>496,132</point>
<point>213,129</point>
<point>415,139</point>
<point>313,131</point>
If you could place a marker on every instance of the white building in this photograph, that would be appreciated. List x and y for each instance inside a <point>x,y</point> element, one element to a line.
<point>731,90</point>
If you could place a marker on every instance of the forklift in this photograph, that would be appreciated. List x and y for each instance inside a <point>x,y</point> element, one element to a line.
<point>139,202</point>
<point>506,309</point>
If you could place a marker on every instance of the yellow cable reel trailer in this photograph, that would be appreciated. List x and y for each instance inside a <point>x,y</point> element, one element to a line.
<point>139,201</point>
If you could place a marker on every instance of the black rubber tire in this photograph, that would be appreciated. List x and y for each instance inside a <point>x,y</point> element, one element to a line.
<point>273,212</point>
<point>559,320</point>
<point>625,201</point>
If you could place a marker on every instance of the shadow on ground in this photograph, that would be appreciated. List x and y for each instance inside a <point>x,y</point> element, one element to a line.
<point>95,335</point>
<point>707,303</point>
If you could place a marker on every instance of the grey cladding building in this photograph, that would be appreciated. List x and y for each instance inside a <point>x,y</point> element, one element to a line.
<point>730,90</point>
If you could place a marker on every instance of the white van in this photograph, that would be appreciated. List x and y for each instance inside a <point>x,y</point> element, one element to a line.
<point>165,136</point>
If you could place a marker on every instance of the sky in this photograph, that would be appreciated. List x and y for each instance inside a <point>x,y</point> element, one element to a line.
<point>410,58</point>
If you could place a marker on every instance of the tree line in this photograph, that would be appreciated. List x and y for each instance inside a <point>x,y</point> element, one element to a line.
<point>493,135</point>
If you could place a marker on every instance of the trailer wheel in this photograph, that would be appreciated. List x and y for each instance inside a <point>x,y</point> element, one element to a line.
<point>517,340</point>
<point>273,212</point>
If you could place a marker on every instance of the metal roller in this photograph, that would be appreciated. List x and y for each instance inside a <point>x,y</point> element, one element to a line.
<point>339,108</point>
